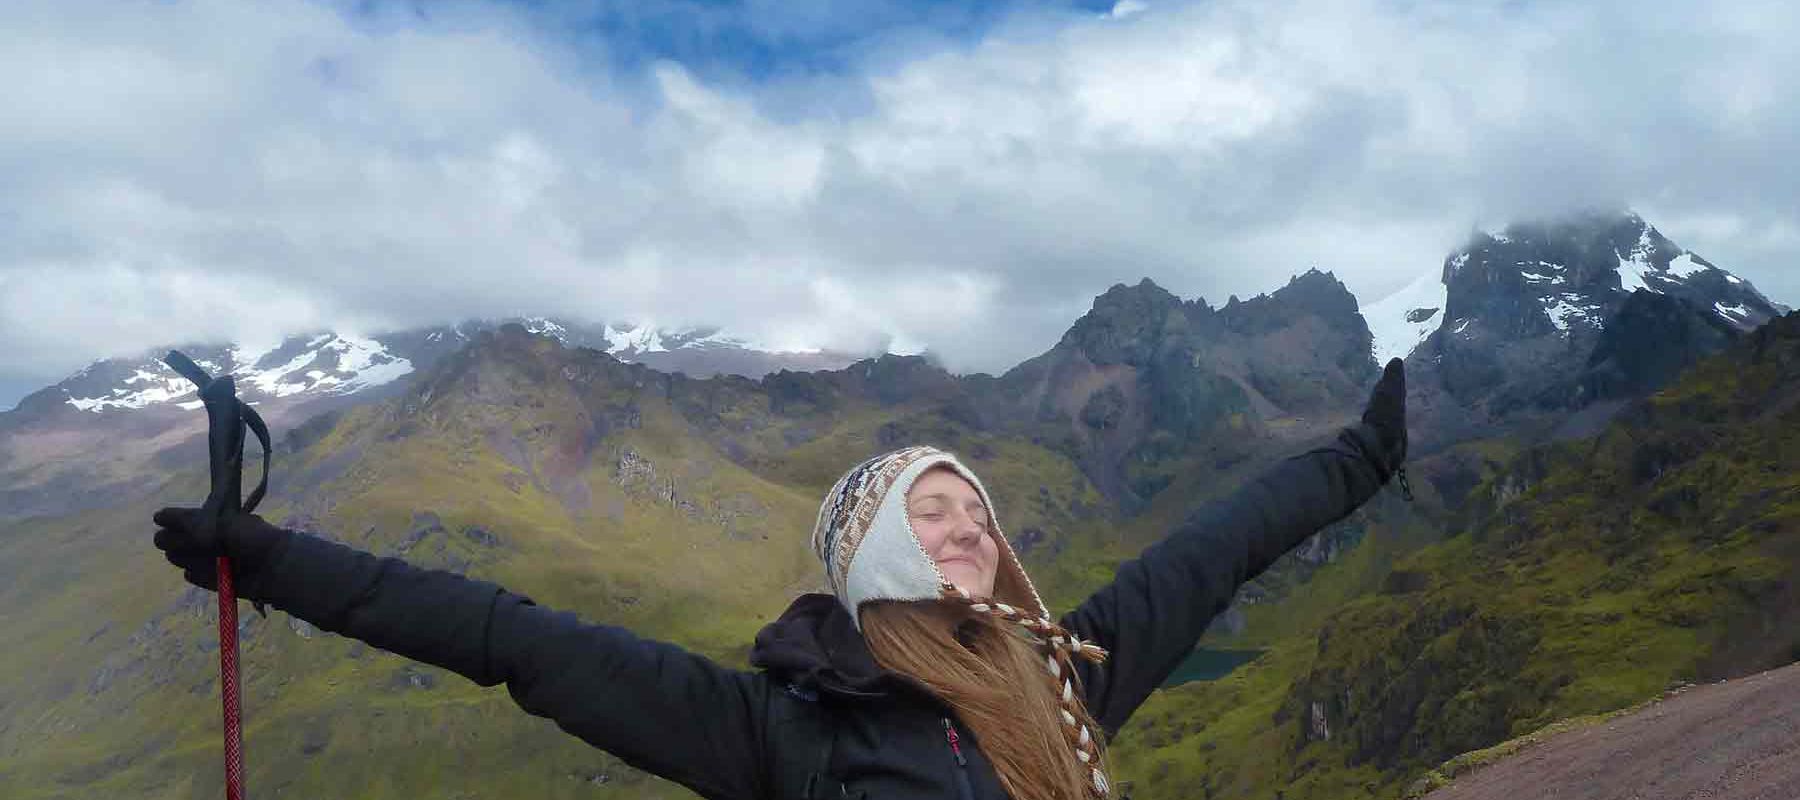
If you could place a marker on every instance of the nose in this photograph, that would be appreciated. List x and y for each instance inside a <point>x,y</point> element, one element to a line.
<point>968,528</point>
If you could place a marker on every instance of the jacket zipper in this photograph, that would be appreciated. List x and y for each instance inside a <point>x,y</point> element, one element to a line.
<point>964,790</point>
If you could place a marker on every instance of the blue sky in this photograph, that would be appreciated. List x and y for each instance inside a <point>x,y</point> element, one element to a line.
<point>747,41</point>
<point>853,175</point>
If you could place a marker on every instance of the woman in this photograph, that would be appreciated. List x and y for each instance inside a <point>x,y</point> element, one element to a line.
<point>933,669</point>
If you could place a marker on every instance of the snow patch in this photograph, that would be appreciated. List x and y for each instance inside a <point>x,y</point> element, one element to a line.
<point>641,339</point>
<point>1733,313</point>
<point>544,327</point>
<point>159,387</point>
<point>722,338</point>
<point>717,338</point>
<point>269,381</point>
<point>1632,274</point>
<point>1635,265</point>
<point>1397,329</point>
<point>1685,266</point>
<point>1552,272</point>
<point>1564,310</point>
<point>368,362</point>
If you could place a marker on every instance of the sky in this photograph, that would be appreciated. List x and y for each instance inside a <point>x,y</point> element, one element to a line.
<point>954,177</point>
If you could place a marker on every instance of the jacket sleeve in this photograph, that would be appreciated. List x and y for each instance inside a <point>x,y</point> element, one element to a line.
<point>654,705</point>
<point>1158,605</point>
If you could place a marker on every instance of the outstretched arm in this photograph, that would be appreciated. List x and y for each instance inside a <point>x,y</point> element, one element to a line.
<point>652,704</point>
<point>1159,604</point>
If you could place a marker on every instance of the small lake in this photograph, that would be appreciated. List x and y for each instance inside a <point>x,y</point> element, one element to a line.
<point>1209,664</point>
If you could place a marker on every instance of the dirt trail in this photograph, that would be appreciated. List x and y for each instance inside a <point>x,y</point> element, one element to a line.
<point>1738,740</point>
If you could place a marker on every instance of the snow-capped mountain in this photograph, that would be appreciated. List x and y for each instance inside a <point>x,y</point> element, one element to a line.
<point>319,366</point>
<point>1563,278</point>
<point>698,352</point>
<point>100,433</point>
<point>1557,323</point>
<point>315,364</point>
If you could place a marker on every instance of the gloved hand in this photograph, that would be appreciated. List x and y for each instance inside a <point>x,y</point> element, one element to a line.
<point>1386,413</point>
<point>192,540</point>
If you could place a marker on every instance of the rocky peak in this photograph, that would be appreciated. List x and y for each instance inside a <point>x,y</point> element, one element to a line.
<point>894,379</point>
<point>1314,293</point>
<point>1127,324</point>
<point>1566,277</point>
<point>1548,316</point>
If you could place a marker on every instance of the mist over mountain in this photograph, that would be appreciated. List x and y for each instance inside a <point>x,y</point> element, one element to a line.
<point>1561,278</point>
<point>1544,319</point>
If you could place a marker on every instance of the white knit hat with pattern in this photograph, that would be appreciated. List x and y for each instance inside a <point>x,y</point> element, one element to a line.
<point>870,552</point>
<point>867,542</point>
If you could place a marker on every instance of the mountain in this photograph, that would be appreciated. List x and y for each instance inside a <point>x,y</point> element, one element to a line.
<point>677,504</point>
<point>1551,325</point>
<point>326,364</point>
<point>1563,277</point>
<point>697,352</point>
<point>1513,332</point>
<point>1583,576</point>
<point>671,504</point>
<point>1144,379</point>
<point>101,432</point>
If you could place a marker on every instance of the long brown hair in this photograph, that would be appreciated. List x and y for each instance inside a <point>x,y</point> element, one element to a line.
<point>994,679</point>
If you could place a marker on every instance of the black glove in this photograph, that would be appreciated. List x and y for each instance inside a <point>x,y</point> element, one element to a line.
<point>192,540</point>
<point>1386,413</point>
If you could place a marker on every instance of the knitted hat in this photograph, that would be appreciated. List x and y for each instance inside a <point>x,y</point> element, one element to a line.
<point>870,552</point>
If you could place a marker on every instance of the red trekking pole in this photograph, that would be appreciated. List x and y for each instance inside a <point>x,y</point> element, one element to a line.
<point>226,418</point>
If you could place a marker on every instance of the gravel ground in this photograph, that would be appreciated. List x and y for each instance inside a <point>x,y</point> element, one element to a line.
<point>1737,740</point>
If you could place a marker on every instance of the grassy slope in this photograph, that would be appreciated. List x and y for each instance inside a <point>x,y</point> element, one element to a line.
<point>1640,558</point>
<point>328,717</point>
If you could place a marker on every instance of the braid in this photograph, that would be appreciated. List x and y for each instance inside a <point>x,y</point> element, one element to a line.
<point>1061,647</point>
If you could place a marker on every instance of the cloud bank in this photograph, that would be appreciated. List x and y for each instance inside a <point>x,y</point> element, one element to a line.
<point>219,170</point>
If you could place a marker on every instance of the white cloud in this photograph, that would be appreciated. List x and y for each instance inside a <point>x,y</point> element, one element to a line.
<point>219,169</point>
<point>1126,8</point>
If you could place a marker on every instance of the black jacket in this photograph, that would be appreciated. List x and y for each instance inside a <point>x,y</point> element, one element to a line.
<point>818,719</point>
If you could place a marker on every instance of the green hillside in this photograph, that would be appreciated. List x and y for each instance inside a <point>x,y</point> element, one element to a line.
<point>591,485</point>
<point>1588,576</point>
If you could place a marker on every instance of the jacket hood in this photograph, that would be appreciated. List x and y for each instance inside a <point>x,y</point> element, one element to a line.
<point>814,646</point>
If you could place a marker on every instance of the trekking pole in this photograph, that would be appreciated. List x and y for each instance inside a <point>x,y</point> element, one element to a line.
<point>226,418</point>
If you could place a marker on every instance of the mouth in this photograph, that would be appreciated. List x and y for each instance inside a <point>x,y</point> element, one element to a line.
<point>942,562</point>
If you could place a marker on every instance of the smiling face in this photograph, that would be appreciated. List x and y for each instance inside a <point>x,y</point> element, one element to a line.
<point>951,522</point>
